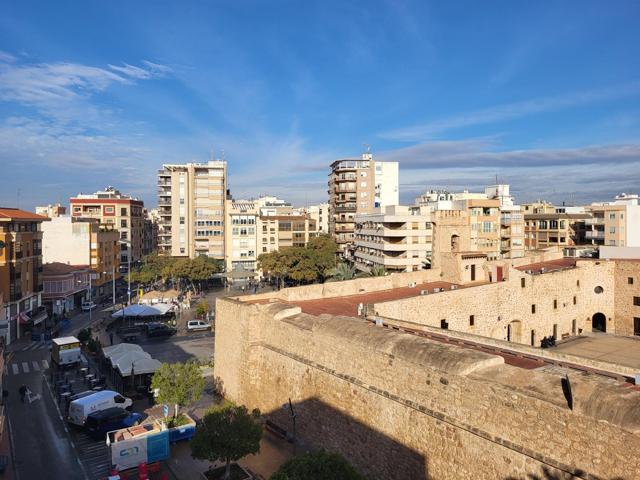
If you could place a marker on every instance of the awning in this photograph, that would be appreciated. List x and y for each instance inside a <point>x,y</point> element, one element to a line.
<point>136,310</point>
<point>39,317</point>
<point>119,349</point>
<point>24,318</point>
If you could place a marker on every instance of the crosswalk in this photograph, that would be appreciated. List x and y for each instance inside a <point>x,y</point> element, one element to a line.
<point>94,454</point>
<point>36,346</point>
<point>33,366</point>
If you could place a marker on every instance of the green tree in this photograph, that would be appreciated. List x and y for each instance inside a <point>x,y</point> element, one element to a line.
<point>180,384</point>
<point>343,271</point>
<point>227,433</point>
<point>321,465</point>
<point>202,308</point>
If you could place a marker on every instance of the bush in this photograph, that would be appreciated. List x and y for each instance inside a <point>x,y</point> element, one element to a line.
<point>84,335</point>
<point>178,421</point>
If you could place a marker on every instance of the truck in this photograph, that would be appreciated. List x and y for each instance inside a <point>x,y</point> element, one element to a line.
<point>130,447</point>
<point>65,351</point>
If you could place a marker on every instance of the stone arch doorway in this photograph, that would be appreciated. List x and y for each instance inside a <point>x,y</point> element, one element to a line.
<point>599,322</point>
<point>514,331</point>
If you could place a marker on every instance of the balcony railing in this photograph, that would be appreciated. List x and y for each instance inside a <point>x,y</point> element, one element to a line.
<point>347,207</point>
<point>164,203</point>
<point>594,221</point>
<point>598,234</point>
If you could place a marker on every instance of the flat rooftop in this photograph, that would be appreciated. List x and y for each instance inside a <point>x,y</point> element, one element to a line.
<point>604,347</point>
<point>348,305</point>
<point>548,266</point>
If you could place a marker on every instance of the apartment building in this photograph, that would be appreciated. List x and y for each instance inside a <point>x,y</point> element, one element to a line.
<point>483,216</point>
<point>511,221</point>
<point>84,242</point>
<point>20,272</point>
<point>51,211</point>
<point>539,206</point>
<point>320,214</point>
<point>150,231</point>
<point>399,239</point>
<point>554,229</point>
<point>65,287</point>
<point>615,224</point>
<point>120,212</point>
<point>191,205</point>
<point>242,221</point>
<point>358,187</point>
<point>282,231</point>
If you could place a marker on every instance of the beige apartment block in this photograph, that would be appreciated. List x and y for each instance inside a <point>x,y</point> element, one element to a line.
<point>536,207</point>
<point>615,224</point>
<point>191,206</point>
<point>399,239</point>
<point>358,187</point>
<point>51,211</point>
<point>120,212</point>
<point>553,229</point>
<point>282,231</point>
<point>85,242</point>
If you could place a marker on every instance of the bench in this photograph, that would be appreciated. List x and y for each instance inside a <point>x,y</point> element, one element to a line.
<point>275,429</point>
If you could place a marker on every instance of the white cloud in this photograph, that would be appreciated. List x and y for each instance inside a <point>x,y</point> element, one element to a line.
<point>510,111</point>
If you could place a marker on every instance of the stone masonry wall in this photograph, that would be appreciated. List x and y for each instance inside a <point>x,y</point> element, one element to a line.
<point>402,407</point>
<point>625,310</point>
<point>494,306</point>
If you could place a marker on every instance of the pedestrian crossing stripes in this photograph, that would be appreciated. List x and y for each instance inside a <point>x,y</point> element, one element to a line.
<point>36,346</point>
<point>24,367</point>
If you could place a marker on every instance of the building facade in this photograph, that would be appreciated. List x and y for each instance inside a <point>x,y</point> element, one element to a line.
<point>615,224</point>
<point>65,287</point>
<point>150,231</point>
<point>320,214</point>
<point>399,239</point>
<point>242,221</point>
<point>358,187</point>
<point>51,211</point>
<point>20,272</point>
<point>543,230</point>
<point>191,206</point>
<point>84,242</point>
<point>120,212</point>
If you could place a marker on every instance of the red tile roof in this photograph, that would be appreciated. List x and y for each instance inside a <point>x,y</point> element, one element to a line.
<point>8,214</point>
<point>549,266</point>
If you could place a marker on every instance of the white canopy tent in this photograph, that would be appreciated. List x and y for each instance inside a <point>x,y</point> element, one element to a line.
<point>137,310</point>
<point>116,350</point>
<point>140,362</point>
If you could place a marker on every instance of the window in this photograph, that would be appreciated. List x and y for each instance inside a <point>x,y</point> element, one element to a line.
<point>630,280</point>
<point>636,301</point>
<point>612,216</point>
<point>106,209</point>
<point>612,229</point>
<point>555,304</point>
<point>533,308</point>
<point>522,282</point>
<point>598,289</point>
<point>443,324</point>
<point>123,223</point>
<point>472,320</point>
<point>264,249</point>
<point>123,212</point>
<point>577,283</point>
<point>575,300</point>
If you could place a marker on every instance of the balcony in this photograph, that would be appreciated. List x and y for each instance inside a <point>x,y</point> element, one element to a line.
<point>164,203</point>
<point>347,207</point>
<point>594,221</point>
<point>595,234</point>
<point>164,192</point>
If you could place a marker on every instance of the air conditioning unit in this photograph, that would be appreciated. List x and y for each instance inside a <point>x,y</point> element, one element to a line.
<point>424,292</point>
<point>453,287</point>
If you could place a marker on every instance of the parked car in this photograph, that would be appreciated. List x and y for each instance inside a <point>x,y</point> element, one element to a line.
<point>160,330</point>
<point>81,408</point>
<point>99,423</point>
<point>86,306</point>
<point>196,325</point>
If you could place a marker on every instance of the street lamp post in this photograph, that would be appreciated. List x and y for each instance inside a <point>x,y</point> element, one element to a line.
<point>129,252</point>
<point>292,415</point>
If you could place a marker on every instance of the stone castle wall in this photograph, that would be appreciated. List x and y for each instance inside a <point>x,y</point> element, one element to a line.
<point>402,407</point>
<point>495,306</point>
<point>625,310</point>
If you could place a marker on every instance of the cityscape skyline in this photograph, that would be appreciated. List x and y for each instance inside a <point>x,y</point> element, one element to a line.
<point>455,94</point>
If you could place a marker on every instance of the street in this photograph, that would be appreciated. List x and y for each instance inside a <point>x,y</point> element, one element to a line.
<point>44,445</point>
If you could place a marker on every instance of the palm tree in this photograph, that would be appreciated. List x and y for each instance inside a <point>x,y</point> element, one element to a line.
<point>342,271</point>
<point>376,271</point>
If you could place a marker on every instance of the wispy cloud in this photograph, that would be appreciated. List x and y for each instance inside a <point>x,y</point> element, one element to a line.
<point>511,111</point>
<point>46,83</point>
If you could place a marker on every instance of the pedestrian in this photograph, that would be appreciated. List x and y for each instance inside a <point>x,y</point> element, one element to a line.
<point>28,393</point>
<point>23,392</point>
<point>111,338</point>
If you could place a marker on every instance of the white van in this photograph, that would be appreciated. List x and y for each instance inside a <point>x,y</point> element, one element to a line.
<point>80,409</point>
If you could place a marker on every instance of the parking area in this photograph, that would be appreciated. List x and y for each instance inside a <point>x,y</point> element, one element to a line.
<point>604,347</point>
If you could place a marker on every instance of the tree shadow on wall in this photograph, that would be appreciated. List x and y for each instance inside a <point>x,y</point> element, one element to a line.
<point>374,454</point>
<point>548,474</point>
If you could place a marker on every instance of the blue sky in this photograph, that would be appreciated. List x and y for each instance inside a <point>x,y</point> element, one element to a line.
<point>546,95</point>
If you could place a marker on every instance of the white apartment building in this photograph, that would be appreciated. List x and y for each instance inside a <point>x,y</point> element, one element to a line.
<point>359,187</point>
<point>242,237</point>
<point>615,224</point>
<point>191,206</point>
<point>320,214</point>
<point>399,239</point>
